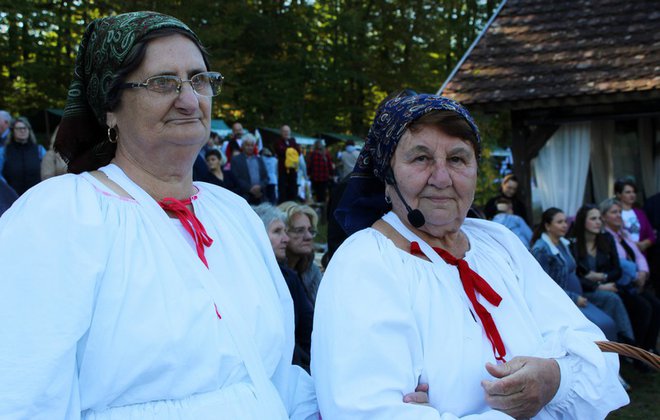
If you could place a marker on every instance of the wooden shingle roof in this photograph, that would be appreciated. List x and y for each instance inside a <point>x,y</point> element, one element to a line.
<point>541,51</point>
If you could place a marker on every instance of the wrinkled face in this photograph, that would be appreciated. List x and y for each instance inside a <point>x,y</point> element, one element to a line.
<point>627,196</point>
<point>278,238</point>
<point>301,238</point>
<point>237,130</point>
<point>509,188</point>
<point>248,147</point>
<point>558,227</point>
<point>612,218</point>
<point>149,121</point>
<point>593,223</point>
<point>285,132</point>
<point>437,174</point>
<point>21,132</point>
<point>212,162</point>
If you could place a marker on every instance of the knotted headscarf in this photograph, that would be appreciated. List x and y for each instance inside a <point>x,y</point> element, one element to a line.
<point>82,136</point>
<point>363,201</point>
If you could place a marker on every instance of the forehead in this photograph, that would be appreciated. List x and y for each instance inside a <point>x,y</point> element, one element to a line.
<point>593,212</point>
<point>275,225</point>
<point>300,219</point>
<point>170,55</point>
<point>431,137</point>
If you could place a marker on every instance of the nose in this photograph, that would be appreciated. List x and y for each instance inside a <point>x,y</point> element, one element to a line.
<point>187,98</point>
<point>440,177</point>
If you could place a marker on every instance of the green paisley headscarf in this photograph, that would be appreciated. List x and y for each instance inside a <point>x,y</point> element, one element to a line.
<point>82,137</point>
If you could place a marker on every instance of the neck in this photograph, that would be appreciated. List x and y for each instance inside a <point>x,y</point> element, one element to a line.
<point>160,178</point>
<point>292,260</point>
<point>553,238</point>
<point>625,206</point>
<point>455,242</point>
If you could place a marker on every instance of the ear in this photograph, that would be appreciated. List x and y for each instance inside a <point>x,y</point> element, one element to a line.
<point>111,119</point>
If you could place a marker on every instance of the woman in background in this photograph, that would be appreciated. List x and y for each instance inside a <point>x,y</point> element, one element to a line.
<point>551,250</point>
<point>22,167</point>
<point>643,307</point>
<point>634,219</point>
<point>301,225</point>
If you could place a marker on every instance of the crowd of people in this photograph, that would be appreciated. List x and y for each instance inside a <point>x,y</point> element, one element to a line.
<point>177,275</point>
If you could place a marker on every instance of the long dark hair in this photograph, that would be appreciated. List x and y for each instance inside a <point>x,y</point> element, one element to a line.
<point>546,218</point>
<point>579,233</point>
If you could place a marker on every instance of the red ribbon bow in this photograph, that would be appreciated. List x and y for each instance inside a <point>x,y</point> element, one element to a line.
<point>473,282</point>
<point>190,222</point>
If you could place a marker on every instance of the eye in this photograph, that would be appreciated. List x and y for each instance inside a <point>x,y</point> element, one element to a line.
<point>457,159</point>
<point>421,158</point>
<point>162,84</point>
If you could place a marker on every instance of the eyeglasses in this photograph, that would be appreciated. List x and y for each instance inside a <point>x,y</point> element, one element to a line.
<point>299,231</point>
<point>206,84</point>
<point>20,128</point>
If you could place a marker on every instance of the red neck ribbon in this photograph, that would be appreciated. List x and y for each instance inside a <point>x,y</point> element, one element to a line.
<point>473,283</point>
<point>190,222</point>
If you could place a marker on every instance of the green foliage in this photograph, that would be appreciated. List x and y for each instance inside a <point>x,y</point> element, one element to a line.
<point>317,65</point>
<point>495,130</point>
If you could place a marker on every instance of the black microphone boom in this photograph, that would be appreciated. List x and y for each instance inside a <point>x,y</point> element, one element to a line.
<point>415,217</point>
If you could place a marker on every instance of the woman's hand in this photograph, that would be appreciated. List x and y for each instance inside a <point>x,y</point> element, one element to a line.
<point>593,276</point>
<point>420,396</point>
<point>581,302</point>
<point>609,287</point>
<point>525,385</point>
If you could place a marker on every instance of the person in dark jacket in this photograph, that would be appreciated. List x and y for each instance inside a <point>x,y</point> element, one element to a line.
<point>22,167</point>
<point>274,220</point>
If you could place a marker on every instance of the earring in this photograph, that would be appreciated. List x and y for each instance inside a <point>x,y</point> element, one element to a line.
<point>388,200</point>
<point>110,137</point>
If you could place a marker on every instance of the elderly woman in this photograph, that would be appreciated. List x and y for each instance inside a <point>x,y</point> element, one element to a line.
<point>153,296</point>
<point>301,226</point>
<point>424,295</point>
<point>22,163</point>
<point>274,220</point>
<point>643,307</point>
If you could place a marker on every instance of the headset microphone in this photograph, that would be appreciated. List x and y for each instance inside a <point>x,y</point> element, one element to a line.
<point>415,217</point>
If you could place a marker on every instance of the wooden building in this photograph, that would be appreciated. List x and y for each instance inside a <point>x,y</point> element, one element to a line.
<point>581,80</point>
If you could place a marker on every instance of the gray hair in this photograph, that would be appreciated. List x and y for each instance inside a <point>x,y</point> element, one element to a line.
<point>4,115</point>
<point>249,137</point>
<point>607,204</point>
<point>268,213</point>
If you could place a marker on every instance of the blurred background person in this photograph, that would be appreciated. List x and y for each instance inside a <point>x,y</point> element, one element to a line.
<point>5,124</point>
<point>347,159</point>
<point>320,170</point>
<point>249,172</point>
<point>288,153</point>
<point>275,222</point>
<point>215,161</point>
<point>22,166</point>
<point>508,189</point>
<point>271,168</point>
<point>301,227</point>
<point>551,250</point>
<point>52,163</point>
<point>513,222</point>
<point>634,219</point>
<point>643,307</point>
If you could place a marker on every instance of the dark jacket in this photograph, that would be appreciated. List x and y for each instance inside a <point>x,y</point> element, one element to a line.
<point>239,169</point>
<point>607,263</point>
<point>22,169</point>
<point>304,317</point>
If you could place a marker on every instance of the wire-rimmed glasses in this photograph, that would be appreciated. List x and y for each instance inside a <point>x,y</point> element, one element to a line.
<point>206,84</point>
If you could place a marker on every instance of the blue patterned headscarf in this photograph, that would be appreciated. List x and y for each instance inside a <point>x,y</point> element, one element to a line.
<point>363,201</point>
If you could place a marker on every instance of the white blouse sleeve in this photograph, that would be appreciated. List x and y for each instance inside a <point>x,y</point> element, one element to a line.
<point>50,241</point>
<point>589,385</point>
<point>366,346</point>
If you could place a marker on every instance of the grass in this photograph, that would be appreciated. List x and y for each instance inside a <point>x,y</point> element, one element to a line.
<point>644,395</point>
